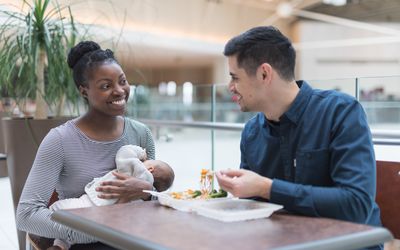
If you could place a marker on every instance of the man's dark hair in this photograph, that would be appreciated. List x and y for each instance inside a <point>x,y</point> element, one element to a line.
<point>265,44</point>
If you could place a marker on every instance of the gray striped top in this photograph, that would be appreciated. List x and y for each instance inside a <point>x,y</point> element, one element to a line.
<point>66,161</point>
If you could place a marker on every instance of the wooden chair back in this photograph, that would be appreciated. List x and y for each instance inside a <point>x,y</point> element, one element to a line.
<point>388,195</point>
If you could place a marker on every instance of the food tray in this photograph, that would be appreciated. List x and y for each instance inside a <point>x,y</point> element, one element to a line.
<point>226,209</point>
<point>236,210</point>
<point>181,205</point>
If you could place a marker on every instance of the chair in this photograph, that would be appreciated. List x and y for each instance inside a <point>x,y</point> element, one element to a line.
<point>34,242</point>
<point>388,195</point>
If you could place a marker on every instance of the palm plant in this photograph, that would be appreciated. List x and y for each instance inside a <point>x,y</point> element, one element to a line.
<point>33,49</point>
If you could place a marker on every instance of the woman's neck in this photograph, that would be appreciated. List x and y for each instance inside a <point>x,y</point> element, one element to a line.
<point>100,127</point>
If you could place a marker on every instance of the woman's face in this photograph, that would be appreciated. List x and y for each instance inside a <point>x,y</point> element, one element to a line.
<point>107,90</point>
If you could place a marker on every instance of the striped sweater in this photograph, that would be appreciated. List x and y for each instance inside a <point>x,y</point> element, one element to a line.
<point>66,161</point>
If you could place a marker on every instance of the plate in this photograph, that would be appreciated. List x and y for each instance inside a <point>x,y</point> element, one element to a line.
<point>237,210</point>
<point>228,209</point>
<point>182,205</point>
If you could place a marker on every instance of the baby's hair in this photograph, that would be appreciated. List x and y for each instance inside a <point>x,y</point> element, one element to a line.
<point>164,177</point>
<point>84,56</point>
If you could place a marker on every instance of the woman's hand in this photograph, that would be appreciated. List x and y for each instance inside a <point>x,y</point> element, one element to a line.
<point>125,188</point>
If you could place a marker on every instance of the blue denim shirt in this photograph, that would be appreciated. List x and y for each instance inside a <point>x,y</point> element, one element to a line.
<point>320,156</point>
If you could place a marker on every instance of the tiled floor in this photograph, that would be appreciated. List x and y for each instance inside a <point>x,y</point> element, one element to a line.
<point>8,232</point>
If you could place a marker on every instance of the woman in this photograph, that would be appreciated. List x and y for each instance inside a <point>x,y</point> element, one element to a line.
<point>71,155</point>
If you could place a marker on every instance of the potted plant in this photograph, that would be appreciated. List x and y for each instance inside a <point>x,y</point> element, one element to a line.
<point>33,49</point>
<point>34,42</point>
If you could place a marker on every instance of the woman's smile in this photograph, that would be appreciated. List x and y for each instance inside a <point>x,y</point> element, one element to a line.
<point>118,104</point>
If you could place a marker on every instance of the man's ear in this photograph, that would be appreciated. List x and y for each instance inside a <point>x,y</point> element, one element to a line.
<point>83,91</point>
<point>266,72</point>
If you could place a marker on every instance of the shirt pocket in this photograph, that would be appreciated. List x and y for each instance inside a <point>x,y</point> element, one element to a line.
<point>312,167</point>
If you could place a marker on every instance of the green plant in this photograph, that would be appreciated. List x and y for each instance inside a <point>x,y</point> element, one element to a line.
<point>34,42</point>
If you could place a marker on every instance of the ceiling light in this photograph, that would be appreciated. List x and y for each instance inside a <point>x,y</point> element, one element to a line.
<point>335,2</point>
<point>284,10</point>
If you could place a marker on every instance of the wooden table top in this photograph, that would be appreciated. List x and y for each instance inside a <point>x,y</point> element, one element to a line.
<point>148,225</point>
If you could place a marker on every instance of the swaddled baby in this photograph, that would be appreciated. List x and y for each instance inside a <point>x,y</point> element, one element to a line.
<point>129,160</point>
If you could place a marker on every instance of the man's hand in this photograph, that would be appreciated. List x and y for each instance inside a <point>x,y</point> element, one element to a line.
<point>244,183</point>
<point>125,188</point>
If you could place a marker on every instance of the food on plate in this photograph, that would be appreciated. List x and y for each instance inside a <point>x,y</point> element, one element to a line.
<point>197,194</point>
<point>220,194</point>
<point>206,180</point>
<point>205,192</point>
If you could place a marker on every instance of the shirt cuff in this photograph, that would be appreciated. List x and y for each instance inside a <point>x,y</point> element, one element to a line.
<point>282,192</point>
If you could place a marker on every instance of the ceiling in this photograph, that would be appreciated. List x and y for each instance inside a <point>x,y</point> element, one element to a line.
<point>171,33</point>
<point>363,10</point>
<point>167,33</point>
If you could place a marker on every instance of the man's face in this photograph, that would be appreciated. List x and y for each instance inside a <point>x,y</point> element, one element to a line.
<point>242,86</point>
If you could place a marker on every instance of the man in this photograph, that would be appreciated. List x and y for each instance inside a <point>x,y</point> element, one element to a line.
<point>309,150</point>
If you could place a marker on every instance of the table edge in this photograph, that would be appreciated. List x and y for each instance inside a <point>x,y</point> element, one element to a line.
<point>106,234</point>
<point>375,236</point>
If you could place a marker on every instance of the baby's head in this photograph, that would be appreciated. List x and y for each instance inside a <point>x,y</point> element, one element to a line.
<point>162,173</point>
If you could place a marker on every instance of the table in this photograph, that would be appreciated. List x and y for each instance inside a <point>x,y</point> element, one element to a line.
<point>148,225</point>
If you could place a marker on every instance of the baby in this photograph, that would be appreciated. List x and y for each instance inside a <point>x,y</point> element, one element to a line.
<point>130,160</point>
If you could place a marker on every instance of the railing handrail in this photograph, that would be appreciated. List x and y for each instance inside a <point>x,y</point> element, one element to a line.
<point>385,133</point>
<point>195,124</point>
<point>380,136</point>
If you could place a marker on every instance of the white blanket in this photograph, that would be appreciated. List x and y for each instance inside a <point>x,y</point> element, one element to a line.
<point>129,160</point>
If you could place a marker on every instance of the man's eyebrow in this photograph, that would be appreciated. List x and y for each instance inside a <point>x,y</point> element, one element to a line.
<point>232,74</point>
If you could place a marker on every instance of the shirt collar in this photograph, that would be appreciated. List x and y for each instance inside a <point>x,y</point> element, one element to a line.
<point>265,122</point>
<point>297,108</point>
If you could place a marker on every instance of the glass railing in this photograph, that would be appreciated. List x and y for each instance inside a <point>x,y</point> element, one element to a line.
<point>347,85</point>
<point>205,127</point>
<point>149,103</point>
<point>380,96</point>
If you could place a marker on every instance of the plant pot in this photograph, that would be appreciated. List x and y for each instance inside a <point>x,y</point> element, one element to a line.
<point>3,167</point>
<point>3,163</point>
<point>22,137</point>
